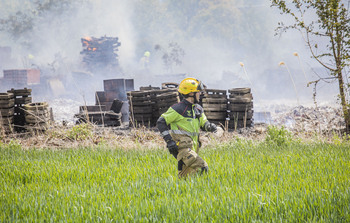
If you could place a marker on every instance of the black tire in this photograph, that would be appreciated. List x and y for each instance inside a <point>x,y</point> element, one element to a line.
<point>36,106</point>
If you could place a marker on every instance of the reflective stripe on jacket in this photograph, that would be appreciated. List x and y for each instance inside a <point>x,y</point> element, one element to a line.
<point>185,118</point>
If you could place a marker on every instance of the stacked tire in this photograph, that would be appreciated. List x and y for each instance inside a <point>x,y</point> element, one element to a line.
<point>240,108</point>
<point>214,103</point>
<point>140,105</point>
<point>37,116</point>
<point>6,112</point>
<point>21,97</point>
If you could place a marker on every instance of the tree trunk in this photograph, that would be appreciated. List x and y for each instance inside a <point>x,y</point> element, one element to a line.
<point>343,101</point>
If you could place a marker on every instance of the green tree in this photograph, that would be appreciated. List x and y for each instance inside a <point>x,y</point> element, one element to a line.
<point>325,27</point>
<point>20,22</point>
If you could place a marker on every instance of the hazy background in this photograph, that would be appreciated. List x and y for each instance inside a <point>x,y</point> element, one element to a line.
<point>226,43</point>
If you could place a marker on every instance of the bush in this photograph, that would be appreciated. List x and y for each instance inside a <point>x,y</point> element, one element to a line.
<point>278,136</point>
<point>80,132</point>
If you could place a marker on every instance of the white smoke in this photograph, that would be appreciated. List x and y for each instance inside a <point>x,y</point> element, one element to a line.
<point>206,57</point>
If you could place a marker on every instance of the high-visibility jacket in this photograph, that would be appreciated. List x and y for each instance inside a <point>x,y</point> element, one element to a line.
<point>185,118</point>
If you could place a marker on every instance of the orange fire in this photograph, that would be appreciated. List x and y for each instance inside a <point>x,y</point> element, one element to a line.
<point>86,41</point>
<point>87,38</point>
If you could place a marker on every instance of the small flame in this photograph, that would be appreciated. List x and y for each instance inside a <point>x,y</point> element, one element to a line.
<point>88,38</point>
<point>241,63</point>
<point>281,63</point>
<point>295,54</point>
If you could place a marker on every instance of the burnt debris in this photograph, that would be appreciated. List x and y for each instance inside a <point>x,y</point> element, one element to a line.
<point>100,55</point>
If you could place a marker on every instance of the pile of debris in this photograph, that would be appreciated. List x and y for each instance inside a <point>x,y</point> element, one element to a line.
<point>99,115</point>
<point>100,53</point>
<point>111,106</point>
<point>302,119</point>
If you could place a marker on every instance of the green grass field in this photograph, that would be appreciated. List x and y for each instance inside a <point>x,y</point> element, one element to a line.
<point>247,182</point>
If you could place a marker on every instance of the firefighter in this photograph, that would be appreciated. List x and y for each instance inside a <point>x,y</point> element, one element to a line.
<point>144,61</point>
<point>180,125</point>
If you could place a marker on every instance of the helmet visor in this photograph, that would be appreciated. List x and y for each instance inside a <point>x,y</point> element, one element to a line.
<point>200,86</point>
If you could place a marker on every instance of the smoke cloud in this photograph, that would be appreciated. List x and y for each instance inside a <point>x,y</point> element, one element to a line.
<point>141,25</point>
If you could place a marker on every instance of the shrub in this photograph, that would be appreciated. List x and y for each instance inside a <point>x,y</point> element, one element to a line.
<point>278,136</point>
<point>80,132</point>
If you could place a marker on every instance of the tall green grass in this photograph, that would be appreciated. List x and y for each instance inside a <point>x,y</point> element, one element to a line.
<point>247,182</point>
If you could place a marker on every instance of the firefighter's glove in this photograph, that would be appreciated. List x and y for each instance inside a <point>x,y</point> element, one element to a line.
<point>172,147</point>
<point>212,127</point>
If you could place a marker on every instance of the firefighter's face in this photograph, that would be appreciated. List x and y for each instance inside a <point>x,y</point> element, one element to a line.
<point>198,94</point>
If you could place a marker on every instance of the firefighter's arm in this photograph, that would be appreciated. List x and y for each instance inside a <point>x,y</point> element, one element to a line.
<point>164,130</point>
<point>204,123</point>
<point>162,123</point>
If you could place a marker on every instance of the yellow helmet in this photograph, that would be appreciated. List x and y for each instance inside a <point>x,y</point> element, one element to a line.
<point>189,85</point>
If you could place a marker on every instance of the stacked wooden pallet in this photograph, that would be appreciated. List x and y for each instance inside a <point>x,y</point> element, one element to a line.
<point>164,99</point>
<point>214,103</point>
<point>6,112</point>
<point>21,97</point>
<point>151,102</point>
<point>240,108</point>
<point>140,108</point>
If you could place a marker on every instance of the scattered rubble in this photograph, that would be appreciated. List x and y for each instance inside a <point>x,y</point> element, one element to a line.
<point>303,119</point>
